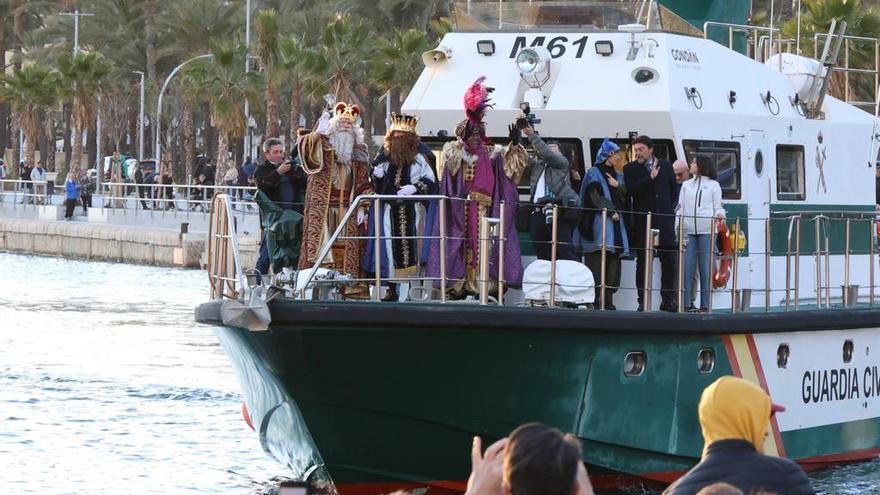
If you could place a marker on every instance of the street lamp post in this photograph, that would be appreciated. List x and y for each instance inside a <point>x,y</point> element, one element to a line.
<point>247,67</point>
<point>159,103</point>
<point>141,118</point>
<point>76,15</point>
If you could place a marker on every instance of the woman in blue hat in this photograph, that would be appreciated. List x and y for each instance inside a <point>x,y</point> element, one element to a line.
<point>603,188</point>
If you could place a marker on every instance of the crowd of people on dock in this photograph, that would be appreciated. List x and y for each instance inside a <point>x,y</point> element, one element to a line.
<point>330,167</point>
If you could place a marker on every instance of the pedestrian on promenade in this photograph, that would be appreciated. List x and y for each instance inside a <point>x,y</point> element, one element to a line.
<point>71,194</point>
<point>166,181</point>
<point>26,188</point>
<point>39,178</point>
<point>735,417</point>
<point>86,189</point>
<point>4,174</point>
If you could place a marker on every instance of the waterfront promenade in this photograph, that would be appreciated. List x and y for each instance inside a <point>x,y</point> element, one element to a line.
<point>126,234</point>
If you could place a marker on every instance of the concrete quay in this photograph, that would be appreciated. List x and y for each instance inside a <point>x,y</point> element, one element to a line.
<point>162,238</point>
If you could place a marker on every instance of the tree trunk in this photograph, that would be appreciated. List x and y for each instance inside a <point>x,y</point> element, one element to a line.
<point>91,143</point>
<point>295,112</point>
<point>188,136</point>
<point>17,26</point>
<point>29,125</point>
<point>50,135</point>
<point>271,109</point>
<point>77,148</point>
<point>222,162</point>
<point>4,110</point>
<point>396,99</point>
<point>16,139</point>
<point>67,147</point>
<point>42,138</point>
<point>210,134</point>
<point>149,9</point>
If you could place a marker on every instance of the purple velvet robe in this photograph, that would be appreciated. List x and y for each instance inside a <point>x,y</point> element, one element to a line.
<point>457,234</point>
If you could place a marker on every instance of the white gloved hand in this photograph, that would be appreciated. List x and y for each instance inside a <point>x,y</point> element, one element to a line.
<point>378,172</point>
<point>323,123</point>
<point>361,216</point>
<point>407,190</point>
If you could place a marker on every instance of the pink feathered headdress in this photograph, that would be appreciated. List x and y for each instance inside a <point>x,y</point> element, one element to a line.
<point>476,101</point>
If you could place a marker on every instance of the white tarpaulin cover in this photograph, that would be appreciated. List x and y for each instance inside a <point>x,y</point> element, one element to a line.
<point>574,282</point>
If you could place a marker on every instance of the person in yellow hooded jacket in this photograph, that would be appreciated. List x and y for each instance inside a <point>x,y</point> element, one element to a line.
<point>735,416</point>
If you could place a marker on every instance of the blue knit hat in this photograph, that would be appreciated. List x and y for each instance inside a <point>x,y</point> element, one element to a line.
<point>607,148</point>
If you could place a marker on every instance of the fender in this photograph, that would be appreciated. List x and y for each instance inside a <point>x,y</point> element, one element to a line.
<point>721,270</point>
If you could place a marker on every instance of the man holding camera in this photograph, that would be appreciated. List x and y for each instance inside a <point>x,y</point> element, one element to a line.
<point>279,181</point>
<point>550,184</point>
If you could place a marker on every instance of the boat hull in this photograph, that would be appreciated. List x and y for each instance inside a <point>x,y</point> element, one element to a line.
<point>390,396</point>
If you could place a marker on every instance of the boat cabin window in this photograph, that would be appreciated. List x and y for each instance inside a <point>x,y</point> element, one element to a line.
<point>572,148</point>
<point>726,156</point>
<point>790,172</point>
<point>664,149</point>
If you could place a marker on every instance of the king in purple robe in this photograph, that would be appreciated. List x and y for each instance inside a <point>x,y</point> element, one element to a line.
<point>477,177</point>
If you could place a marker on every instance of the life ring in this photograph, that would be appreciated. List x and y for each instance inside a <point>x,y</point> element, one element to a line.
<point>721,270</point>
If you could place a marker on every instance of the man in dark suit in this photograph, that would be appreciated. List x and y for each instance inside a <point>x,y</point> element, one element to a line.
<point>651,185</point>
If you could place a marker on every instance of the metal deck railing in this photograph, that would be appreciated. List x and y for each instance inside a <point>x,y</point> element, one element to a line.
<point>839,236</point>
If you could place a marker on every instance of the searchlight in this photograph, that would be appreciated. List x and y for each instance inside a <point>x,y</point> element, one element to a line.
<point>534,66</point>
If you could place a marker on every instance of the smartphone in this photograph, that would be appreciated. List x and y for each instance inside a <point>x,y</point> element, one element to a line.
<point>293,488</point>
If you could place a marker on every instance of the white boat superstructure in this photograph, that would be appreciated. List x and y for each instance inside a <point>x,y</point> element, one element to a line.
<point>780,165</point>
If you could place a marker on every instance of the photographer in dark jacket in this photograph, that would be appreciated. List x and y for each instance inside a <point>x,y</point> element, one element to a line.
<point>550,184</point>
<point>281,182</point>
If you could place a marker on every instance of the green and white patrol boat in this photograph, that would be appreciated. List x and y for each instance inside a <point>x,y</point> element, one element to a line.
<point>379,396</point>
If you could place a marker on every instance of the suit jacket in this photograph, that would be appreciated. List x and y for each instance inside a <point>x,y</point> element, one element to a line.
<point>658,195</point>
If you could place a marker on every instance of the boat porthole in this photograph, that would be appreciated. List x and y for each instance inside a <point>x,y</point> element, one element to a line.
<point>759,163</point>
<point>847,351</point>
<point>634,363</point>
<point>782,354</point>
<point>706,360</point>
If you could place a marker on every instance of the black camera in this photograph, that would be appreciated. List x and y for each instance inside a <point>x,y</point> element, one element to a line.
<point>528,119</point>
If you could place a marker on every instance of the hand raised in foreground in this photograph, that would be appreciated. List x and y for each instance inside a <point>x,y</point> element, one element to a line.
<point>486,469</point>
<point>378,172</point>
<point>584,487</point>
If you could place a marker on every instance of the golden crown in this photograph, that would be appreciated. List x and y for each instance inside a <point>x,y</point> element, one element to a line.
<point>404,123</point>
<point>346,111</point>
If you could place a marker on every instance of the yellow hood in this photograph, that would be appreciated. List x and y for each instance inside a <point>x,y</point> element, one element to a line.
<point>733,408</point>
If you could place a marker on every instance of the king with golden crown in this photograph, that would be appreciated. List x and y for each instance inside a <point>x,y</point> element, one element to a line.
<point>335,157</point>
<point>404,169</point>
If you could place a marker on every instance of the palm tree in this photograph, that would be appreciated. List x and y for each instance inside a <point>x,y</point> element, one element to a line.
<point>338,63</point>
<point>226,85</point>
<point>397,63</point>
<point>861,20</point>
<point>307,27</point>
<point>266,25</point>
<point>28,90</point>
<point>83,76</point>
